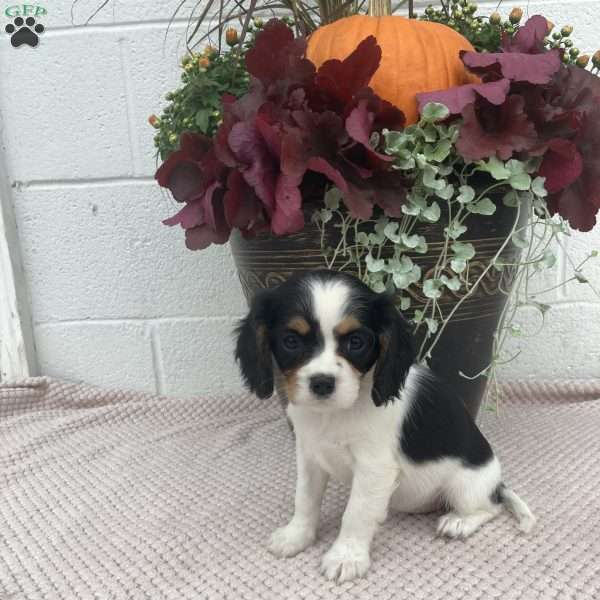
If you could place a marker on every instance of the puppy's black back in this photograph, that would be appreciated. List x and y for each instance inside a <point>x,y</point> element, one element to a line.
<point>438,426</point>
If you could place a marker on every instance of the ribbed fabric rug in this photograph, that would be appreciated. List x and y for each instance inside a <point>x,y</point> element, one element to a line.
<point>120,495</point>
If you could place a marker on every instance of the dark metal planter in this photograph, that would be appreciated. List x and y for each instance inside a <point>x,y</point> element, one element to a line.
<point>466,343</point>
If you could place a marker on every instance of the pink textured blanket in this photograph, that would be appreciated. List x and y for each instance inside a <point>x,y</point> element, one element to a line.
<point>121,495</point>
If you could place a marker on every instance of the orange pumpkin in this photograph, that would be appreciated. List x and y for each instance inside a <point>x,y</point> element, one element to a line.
<point>417,56</point>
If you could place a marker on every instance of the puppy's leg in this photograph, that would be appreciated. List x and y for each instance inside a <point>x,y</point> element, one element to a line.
<point>301,531</point>
<point>470,493</point>
<point>461,525</point>
<point>372,487</point>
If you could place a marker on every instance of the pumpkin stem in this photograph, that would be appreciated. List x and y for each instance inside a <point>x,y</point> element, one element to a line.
<point>380,8</point>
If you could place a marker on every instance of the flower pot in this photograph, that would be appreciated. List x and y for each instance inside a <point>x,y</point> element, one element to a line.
<point>466,343</point>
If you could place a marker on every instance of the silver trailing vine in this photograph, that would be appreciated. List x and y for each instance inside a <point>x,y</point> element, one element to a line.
<point>445,187</point>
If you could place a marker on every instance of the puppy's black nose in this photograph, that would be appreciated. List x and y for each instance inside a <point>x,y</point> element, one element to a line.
<point>322,385</point>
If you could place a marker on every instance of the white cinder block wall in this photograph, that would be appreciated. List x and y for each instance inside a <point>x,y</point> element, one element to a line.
<point>116,299</point>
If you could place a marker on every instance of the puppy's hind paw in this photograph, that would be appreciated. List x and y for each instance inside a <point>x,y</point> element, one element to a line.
<point>527,523</point>
<point>344,562</point>
<point>290,540</point>
<point>450,525</point>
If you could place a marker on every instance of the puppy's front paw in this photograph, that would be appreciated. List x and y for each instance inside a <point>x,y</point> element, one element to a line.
<point>290,540</point>
<point>345,561</point>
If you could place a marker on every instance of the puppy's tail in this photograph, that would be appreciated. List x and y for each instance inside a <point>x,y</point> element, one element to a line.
<point>517,507</point>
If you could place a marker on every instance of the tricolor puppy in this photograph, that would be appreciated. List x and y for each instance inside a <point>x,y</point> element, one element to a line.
<point>364,414</point>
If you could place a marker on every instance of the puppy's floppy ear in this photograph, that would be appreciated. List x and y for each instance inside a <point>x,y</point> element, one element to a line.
<point>396,352</point>
<point>253,351</point>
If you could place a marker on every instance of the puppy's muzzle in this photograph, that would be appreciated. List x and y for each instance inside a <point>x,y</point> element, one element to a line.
<point>322,385</point>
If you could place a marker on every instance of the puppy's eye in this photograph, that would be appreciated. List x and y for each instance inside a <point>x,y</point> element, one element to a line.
<point>291,342</point>
<point>355,343</point>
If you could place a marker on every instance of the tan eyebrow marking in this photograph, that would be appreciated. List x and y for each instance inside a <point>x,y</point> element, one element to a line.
<point>299,325</point>
<point>346,325</point>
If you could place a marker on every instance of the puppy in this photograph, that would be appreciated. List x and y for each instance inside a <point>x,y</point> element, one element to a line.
<point>364,414</point>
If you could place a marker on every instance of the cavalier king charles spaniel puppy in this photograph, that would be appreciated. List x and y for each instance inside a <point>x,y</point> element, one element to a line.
<point>366,415</point>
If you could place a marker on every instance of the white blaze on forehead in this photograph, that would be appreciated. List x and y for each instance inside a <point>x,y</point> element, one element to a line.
<point>330,300</point>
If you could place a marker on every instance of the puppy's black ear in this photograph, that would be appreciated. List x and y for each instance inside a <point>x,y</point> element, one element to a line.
<point>396,352</point>
<point>253,351</point>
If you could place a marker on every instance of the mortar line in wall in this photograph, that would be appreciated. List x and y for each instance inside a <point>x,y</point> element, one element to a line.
<point>62,30</point>
<point>157,361</point>
<point>52,184</point>
<point>136,164</point>
<point>126,320</point>
<point>566,302</point>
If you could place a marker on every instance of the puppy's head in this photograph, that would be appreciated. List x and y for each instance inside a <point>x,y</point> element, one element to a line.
<point>332,339</point>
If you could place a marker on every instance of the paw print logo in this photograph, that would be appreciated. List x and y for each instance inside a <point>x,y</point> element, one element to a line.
<point>24,32</point>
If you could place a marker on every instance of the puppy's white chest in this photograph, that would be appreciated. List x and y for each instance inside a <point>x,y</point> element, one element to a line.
<point>336,459</point>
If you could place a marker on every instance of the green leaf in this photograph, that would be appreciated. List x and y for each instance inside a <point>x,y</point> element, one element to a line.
<point>447,192</point>
<point>325,215</point>
<point>464,250</point>
<point>202,119</point>
<point>452,283</point>
<point>432,213</point>
<point>458,265</point>
<point>547,261</point>
<point>431,288</point>
<point>521,181</point>
<point>403,280</point>
<point>405,265</point>
<point>466,195</point>
<point>515,330</point>
<point>378,287</point>
<point>495,168</point>
<point>405,160</point>
<point>511,199</point>
<point>374,265</point>
<point>404,272</point>
<point>430,133</point>
<point>483,207</point>
<point>440,152</point>
<point>391,231</point>
<point>421,161</point>
<point>381,224</point>
<point>362,238</point>
<point>415,242</point>
<point>411,209</point>
<point>418,317</point>
<point>332,198</point>
<point>454,230</point>
<point>394,140</point>
<point>538,187</point>
<point>432,325</point>
<point>404,303</point>
<point>516,167</point>
<point>430,181</point>
<point>376,238</point>
<point>434,111</point>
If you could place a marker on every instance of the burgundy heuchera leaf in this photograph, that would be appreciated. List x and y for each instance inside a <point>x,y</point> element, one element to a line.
<point>579,202</point>
<point>496,131</point>
<point>562,165</point>
<point>293,121</point>
<point>456,98</point>
<point>529,39</point>
<point>532,68</point>
<point>530,104</point>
